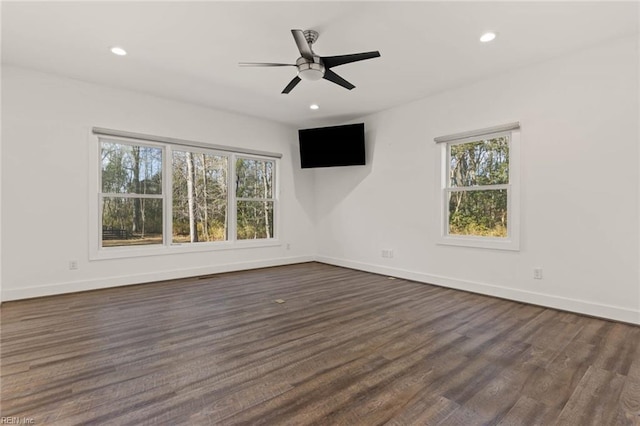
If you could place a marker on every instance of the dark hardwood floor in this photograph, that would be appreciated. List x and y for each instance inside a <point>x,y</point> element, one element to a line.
<point>346,348</point>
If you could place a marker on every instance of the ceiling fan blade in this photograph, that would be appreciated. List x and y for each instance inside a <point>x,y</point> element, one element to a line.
<point>303,46</point>
<point>334,61</point>
<point>264,64</point>
<point>335,78</point>
<point>291,84</point>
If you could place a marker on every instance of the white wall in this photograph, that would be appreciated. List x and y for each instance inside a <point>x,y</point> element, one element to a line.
<point>580,187</point>
<point>0,178</point>
<point>46,126</point>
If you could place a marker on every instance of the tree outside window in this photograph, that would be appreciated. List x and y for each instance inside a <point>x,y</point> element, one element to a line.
<point>255,198</point>
<point>199,197</point>
<point>478,175</point>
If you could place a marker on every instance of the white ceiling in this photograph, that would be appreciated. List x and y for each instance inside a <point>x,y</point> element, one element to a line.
<point>190,50</point>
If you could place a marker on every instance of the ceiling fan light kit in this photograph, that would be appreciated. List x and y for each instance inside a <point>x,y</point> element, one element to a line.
<point>311,71</point>
<point>312,67</point>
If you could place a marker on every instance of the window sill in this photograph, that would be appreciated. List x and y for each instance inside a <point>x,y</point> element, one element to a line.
<point>162,250</point>
<point>480,242</point>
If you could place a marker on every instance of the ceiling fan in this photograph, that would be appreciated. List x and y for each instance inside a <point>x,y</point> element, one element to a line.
<point>313,67</point>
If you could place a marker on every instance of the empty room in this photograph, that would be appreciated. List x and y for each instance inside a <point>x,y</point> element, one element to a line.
<point>320,213</point>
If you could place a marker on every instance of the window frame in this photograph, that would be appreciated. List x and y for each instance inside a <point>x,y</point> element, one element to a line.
<point>98,252</point>
<point>274,198</point>
<point>512,240</point>
<point>101,195</point>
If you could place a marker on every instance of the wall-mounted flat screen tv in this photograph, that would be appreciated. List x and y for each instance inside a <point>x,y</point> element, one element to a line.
<point>332,146</point>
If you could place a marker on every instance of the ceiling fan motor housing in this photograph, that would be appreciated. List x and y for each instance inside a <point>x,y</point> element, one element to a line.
<point>310,70</point>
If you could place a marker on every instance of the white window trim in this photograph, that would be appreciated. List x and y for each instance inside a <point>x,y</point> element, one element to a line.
<point>512,241</point>
<point>97,252</point>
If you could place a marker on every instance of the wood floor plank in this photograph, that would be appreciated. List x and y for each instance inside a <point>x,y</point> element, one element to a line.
<point>630,396</point>
<point>346,348</point>
<point>529,412</point>
<point>595,400</point>
<point>424,410</point>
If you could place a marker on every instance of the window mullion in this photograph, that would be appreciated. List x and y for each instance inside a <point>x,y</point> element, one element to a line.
<point>130,195</point>
<point>445,208</point>
<point>232,201</point>
<point>167,191</point>
<point>477,188</point>
<point>255,199</point>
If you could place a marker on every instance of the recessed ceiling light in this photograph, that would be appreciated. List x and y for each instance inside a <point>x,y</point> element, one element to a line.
<point>118,51</point>
<point>487,37</point>
<point>314,106</point>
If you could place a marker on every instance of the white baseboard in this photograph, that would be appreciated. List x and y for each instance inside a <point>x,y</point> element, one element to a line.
<point>95,284</point>
<point>572,305</point>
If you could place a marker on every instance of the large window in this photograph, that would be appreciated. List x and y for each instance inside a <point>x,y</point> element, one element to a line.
<point>166,195</point>
<point>479,191</point>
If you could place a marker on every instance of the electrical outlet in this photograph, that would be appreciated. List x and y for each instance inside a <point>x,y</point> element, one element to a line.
<point>73,265</point>
<point>387,253</point>
<point>537,273</point>
<point>288,246</point>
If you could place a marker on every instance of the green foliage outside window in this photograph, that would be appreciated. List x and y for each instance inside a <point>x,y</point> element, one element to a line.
<point>475,208</point>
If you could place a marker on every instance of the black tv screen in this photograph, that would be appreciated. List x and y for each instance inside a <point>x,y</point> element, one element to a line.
<point>332,146</point>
